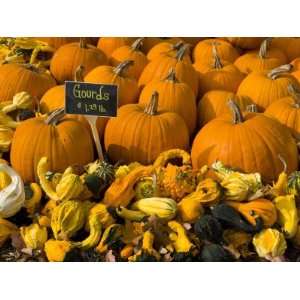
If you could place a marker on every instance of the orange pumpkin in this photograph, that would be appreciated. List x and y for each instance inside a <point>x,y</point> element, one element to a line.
<point>174,96</point>
<point>247,43</point>
<point>264,59</point>
<point>109,44</point>
<point>68,57</point>
<point>296,68</point>
<point>64,141</point>
<point>158,69</point>
<point>287,111</point>
<point>289,45</point>
<point>203,50</point>
<point>141,133</point>
<point>57,42</point>
<point>128,90</point>
<point>268,86</point>
<point>15,78</point>
<point>193,41</point>
<point>133,53</point>
<point>218,75</point>
<point>150,42</point>
<point>250,142</point>
<point>215,103</point>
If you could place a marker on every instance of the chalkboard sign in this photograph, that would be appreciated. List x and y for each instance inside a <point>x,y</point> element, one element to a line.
<point>84,98</point>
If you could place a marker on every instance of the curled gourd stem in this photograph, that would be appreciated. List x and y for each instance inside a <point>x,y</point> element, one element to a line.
<point>295,93</point>
<point>217,61</point>
<point>55,116</point>
<point>264,47</point>
<point>137,44</point>
<point>283,163</point>
<point>118,70</point>
<point>275,73</point>
<point>181,51</point>
<point>151,108</point>
<point>79,73</point>
<point>172,76</point>
<point>82,43</point>
<point>236,112</point>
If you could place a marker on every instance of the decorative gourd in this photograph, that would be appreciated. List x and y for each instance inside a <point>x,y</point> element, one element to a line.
<point>68,57</point>
<point>15,78</point>
<point>264,59</point>
<point>56,251</point>
<point>287,111</point>
<point>145,188</point>
<point>190,209</point>
<point>215,103</point>
<point>128,90</point>
<point>100,210</point>
<point>262,208</point>
<point>6,230</point>
<point>21,101</point>
<point>247,43</point>
<point>53,137</point>
<point>150,42</point>
<point>202,51</point>
<point>57,42</point>
<point>125,137</point>
<point>218,75</point>
<point>159,68</point>
<point>109,44</point>
<point>174,96</point>
<point>227,146</point>
<point>133,53</point>
<point>34,236</point>
<point>263,88</point>
<point>289,45</point>
<point>33,196</point>
<point>174,154</point>
<point>215,253</point>
<point>111,235</point>
<point>6,137</point>
<point>12,194</point>
<point>208,228</point>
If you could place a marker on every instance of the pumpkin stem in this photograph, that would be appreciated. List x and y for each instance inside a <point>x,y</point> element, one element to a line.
<point>283,163</point>
<point>182,48</point>
<point>118,70</point>
<point>151,108</point>
<point>32,68</point>
<point>295,93</point>
<point>79,73</point>
<point>217,61</point>
<point>137,44</point>
<point>82,42</point>
<point>275,73</point>
<point>264,47</point>
<point>55,116</point>
<point>236,112</point>
<point>172,76</point>
<point>251,108</point>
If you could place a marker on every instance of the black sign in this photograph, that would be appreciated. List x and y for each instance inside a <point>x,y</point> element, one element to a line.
<point>84,98</point>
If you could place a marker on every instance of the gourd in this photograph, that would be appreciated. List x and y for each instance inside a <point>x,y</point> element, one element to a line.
<point>265,87</point>
<point>68,57</point>
<point>128,89</point>
<point>12,195</point>
<point>262,208</point>
<point>131,144</point>
<point>35,81</point>
<point>208,228</point>
<point>34,236</point>
<point>100,210</point>
<point>20,101</point>
<point>145,188</point>
<point>33,200</point>
<point>111,236</point>
<point>57,42</point>
<point>131,215</point>
<point>247,43</point>
<point>190,209</point>
<point>56,250</point>
<point>174,96</point>
<point>173,154</point>
<point>53,137</point>
<point>254,129</point>
<point>7,228</point>
<point>215,253</point>
<point>109,44</point>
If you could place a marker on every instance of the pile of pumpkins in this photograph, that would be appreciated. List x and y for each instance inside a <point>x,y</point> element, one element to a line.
<point>233,100</point>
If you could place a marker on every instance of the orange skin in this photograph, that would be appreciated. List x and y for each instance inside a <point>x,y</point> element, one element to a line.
<point>109,44</point>
<point>15,78</point>
<point>150,42</point>
<point>247,43</point>
<point>289,45</point>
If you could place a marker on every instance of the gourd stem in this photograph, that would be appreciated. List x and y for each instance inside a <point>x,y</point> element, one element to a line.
<point>275,73</point>
<point>251,108</point>
<point>122,66</point>
<point>295,93</point>
<point>151,108</point>
<point>283,163</point>
<point>181,51</point>
<point>82,42</point>
<point>172,76</point>
<point>79,73</point>
<point>264,47</point>
<point>55,116</point>
<point>236,112</point>
<point>217,61</point>
<point>31,68</point>
<point>137,44</point>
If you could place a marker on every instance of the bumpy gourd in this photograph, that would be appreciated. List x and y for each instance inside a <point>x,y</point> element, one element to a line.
<point>165,156</point>
<point>294,183</point>
<point>12,197</point>
<point>145,188</point>
<point>110,235</point>
<point>6,137</point>
<point>21,100</point>
<point>32,203</point>
<point>69,187</point>
<point>190,209</point>
<point>56,250</point>
<point>34,236</point>
<point>100,210</point>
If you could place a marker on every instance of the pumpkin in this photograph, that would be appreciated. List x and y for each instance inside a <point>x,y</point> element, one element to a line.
<point>57,42</point>
<point>268,86</point>
<point>203,50</point>
<point>128,90</point>
<point>247,43</point>
<point>167,48</point>
<point>15,78</point>
<point>296,68</point>
<point>67,58</point>
<point>54,98</point>
<point>289,45</point>
<point>109,44</point>
<point>250,142</point>
<point>218,76</point>
<point>215,103</point>
<point>158,69</point>
<point>262,208</point>
<point>141,133</point>
<point>265,58</point>
<point>133,53</point>
<point>193,41</point>
<point>150,42</point>
<point>51,137</point>
<point>287,111</point>
<point>174,96</point>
